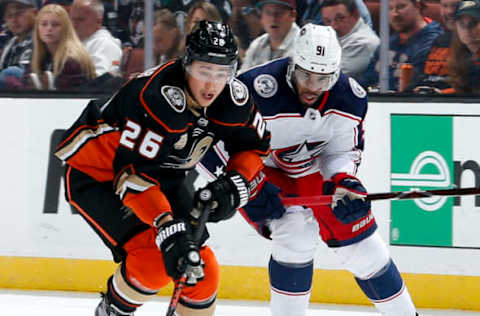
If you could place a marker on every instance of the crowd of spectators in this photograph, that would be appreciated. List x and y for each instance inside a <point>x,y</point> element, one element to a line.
<point>51,44</point>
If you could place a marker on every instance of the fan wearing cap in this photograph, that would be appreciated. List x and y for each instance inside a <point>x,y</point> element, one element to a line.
<point>278,20</point>
<point>464,63</point>
<point>17,53</point>
<point>127,162</point>
<point>315,114</point>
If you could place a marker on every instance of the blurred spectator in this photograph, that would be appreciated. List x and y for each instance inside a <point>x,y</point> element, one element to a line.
<point>60,60</point>
<point>166,36</point>
<point>136,22</point>
<point>180,9</point>
<point>5,34</point>
<point>312,12</point>
<point>357,39</point>
<point>278,20</point>
<point>168,41</point>
<point>17,52</point>
<point>434,78</point>
<point>200,10</point>
<point>245,22</point>
<point>112,22</point>
<point>104,49</point>
<point>464,63</point>
<point>131,16</point>
<point>409,43</point>
<point>66,4</point>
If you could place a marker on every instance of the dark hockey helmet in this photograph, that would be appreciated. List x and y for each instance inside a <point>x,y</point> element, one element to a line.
<point>211,42</point>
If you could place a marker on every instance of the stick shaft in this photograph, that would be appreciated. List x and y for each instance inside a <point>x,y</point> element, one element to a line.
<point>180,283</point>
<point>398,195</point>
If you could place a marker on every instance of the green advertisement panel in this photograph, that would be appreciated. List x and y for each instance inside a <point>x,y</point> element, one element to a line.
<point>422,159</point>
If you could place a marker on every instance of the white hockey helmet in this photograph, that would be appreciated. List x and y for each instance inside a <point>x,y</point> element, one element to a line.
<point>317,50</point>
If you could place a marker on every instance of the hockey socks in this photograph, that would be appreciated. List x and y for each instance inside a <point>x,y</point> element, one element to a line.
<point>387,291</point>
<point>290,287</point>
<point>122,295</point>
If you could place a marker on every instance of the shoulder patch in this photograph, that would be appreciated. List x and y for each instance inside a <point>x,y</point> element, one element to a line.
<point>175,97</point>
<point>357,89</point>
<point>265,85</point>
<point>239,92</point>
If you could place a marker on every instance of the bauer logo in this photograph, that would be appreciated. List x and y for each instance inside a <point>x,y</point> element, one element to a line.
<point>431,152</point>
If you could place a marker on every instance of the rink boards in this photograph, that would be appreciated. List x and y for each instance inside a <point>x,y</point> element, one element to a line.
<point>435,242</point>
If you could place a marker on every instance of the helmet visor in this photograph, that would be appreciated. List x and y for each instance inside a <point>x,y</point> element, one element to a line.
<point>313,81</point>
<point>209,72</point>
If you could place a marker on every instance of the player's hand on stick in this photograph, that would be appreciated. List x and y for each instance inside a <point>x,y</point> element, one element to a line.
<point>180,253</point>
<point>348,203</point>
<point>225,195</point>
<point>266,204</point>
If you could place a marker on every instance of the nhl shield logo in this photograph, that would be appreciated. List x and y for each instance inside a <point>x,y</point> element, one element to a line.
<point>265,85</point>
<point>175,97</point>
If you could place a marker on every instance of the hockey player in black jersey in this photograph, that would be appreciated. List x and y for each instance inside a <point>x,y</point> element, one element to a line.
<point>126,164</point>
<point>315,115</point>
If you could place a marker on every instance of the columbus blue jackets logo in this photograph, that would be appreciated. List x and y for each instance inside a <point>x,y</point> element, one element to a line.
<point>175,97</point>
<point>265,85</point>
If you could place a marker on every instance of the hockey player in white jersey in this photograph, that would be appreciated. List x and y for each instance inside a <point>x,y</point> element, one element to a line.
<point>315,115</point>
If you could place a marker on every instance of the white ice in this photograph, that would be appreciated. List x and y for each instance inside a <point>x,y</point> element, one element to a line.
<point>37,303</point>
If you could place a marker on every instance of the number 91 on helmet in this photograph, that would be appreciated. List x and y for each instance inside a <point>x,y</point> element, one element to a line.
<point>315,63</point>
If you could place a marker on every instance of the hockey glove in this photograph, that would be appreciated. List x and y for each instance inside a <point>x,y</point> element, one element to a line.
<point>349,204</point>
<point>227,193</point>
<point>266,205</point>
<point>180,253</point>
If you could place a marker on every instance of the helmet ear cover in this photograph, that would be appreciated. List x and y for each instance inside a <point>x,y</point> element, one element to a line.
<point>212,42</point>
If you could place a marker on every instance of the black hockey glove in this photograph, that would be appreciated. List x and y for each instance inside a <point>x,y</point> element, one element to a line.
<point>180,253</point>
<point>229,192</point>
<point>349,204</point>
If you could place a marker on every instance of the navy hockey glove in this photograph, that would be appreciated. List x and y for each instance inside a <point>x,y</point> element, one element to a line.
<point>266,205</point>
<point>229,192</point>
<point>349,204</point>
<point>180,253</point>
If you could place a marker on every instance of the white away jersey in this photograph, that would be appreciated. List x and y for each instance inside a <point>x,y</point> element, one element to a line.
<point>326,138</point>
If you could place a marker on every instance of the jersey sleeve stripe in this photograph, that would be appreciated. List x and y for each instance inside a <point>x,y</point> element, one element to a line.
<point>132,183</point>
<point>344,114</point>
<point>147,108</point>
<point>79,138</point>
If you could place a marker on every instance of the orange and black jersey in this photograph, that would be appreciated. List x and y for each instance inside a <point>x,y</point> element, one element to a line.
<point>145,137</point>
<point>435,72</point>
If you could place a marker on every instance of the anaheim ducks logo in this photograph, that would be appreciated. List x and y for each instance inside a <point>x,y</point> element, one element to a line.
<point>265,85</point>
<point>198,149</point>
<point>180,144</point>
<point>175,97</point>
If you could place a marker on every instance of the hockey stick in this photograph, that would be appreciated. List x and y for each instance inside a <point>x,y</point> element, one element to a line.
<point>180,283</point>
<point>396,195</point>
